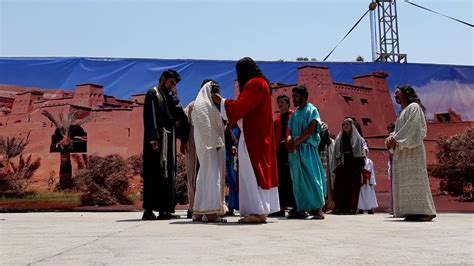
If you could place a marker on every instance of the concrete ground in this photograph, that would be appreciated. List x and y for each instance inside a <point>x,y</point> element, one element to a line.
<point>122,238</point>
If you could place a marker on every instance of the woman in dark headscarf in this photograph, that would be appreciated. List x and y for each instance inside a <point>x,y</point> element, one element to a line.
<point>348,162</point>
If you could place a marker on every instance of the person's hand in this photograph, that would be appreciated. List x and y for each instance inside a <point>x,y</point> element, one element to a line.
<point>183,148</point>
<point>390,142</point>
<point>234,151</point>
<point>290,145</point>
<point>296,142</point>
<point>216,98</point>
<point>154,145</point>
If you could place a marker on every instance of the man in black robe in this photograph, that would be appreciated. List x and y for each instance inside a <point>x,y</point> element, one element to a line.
<point>164,121</point>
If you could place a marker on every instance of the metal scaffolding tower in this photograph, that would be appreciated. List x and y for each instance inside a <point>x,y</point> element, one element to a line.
<point>384,32</point>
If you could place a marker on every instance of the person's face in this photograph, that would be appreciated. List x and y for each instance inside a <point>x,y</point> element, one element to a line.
<point>399,97</point>
<point>169,84</point>
<point>215,89</point>
<point>283,106</point>
<point>297,99</point>
<point>346,127</point>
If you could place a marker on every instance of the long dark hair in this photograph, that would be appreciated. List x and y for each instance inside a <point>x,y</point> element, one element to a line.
<point>246,70</point>
<point>411,95</point>
<point>325,140</point>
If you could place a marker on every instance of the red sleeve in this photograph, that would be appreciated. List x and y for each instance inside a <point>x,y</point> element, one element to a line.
<point>232,125</point>
<point>248,99</point>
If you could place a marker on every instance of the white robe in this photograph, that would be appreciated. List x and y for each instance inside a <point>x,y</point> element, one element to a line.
<point>252,198</point>
<point>210,183</point>
<point>411,186</point>
<point>210,150</point>
<point>367,197</point>
<point>191,158</point>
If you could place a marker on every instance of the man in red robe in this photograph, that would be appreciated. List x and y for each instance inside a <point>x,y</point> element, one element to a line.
<point>252,111</point>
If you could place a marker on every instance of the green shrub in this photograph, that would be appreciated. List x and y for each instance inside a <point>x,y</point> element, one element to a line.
<point>456,164</point>
<point>104,180</point>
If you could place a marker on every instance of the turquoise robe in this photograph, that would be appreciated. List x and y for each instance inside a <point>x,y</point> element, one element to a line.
<point>307,172</point>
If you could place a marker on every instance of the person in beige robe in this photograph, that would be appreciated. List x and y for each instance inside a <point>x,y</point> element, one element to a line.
<point>412,197</point>
<point>192,163</point>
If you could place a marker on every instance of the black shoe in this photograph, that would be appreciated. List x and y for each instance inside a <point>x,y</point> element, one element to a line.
<point>167,216</point>
<point>370,212</point>
<point>277,214</point>
<point>419,218</point>
<point>230,213</point>
<point>148,215</point>
<point>189,215</point>
<point>297,215</point>
<point>362,212</point>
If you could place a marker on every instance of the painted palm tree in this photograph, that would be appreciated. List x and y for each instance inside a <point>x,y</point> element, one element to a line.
<point>65,123</point>
<point>10,148</point>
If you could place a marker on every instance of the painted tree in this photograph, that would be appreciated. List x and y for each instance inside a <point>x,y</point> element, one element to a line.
<point>65,125</point>
<point>14,176</point>
<point>10,148</point>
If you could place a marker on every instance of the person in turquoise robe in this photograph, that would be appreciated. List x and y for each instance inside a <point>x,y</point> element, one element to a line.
<point>307,172</point>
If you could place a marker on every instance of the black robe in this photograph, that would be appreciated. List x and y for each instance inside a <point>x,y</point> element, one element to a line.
<point>285,184</point>
<point>162,114</point>
<point>348,180</point>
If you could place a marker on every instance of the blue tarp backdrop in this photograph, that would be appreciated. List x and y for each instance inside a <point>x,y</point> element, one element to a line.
<point>439,86</point>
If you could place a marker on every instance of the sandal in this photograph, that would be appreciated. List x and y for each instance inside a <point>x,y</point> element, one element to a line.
<point>218,220</point>
<point>253,219</point>
<point>197,218</point>
<point>297,215</point>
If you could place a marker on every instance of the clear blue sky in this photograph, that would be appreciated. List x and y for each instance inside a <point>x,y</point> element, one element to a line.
<point>227,29</point>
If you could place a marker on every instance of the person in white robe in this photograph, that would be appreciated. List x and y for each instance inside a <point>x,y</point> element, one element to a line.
<point>192,164</point>
<point>252,112</point>
<point>326,150</point>
<point>367,197</point>
<point>209,201</point>
<point>412,197</point>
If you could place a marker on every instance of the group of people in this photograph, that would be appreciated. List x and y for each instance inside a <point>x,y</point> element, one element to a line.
<point>291,163</point>
<point>309,161</point>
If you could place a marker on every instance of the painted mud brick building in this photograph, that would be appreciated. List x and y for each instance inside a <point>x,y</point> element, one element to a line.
<point>116,125</point>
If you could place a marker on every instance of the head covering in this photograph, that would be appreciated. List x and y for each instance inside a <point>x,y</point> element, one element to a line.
<point>208,125</point>
<point>358,145</point>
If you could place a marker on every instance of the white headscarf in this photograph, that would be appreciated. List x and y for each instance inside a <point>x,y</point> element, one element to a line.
<point>208,125</point>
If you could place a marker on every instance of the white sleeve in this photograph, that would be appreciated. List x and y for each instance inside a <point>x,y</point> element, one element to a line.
<point>223,112</point>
